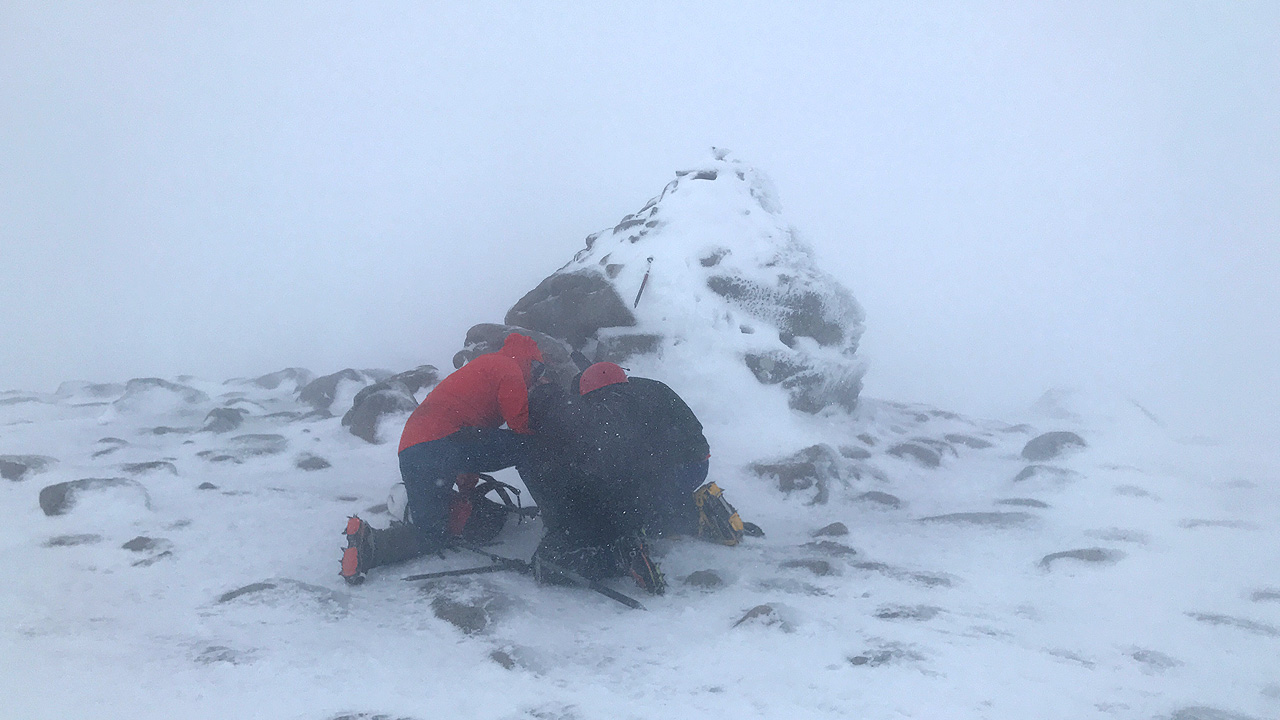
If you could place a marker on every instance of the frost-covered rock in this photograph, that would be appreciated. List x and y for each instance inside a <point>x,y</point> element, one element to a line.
<point>223,419</point>
<point>393,396</point>
<point>708,266</point>
<point>60,498</point>
<point>322,392</point>
<point>1050,445</point>
<point>21,467</point>
<point>299,377</point>
<point>153,396</point>
<point>816,467</point>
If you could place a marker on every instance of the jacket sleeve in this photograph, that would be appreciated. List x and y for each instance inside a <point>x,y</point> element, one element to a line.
<point>513,400</point>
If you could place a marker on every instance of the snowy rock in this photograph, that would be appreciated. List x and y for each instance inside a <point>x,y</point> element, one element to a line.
<point>112,444</point>
<point>813,467</point>
<point>835,529</point>
<point>887,654</point>
<point>72,540</point>
<point>1202,712</point>
<point>1265,595</point>
<point>1053,474</point>
<point>299,377</point>
<point>968,441</point>
<point>488,337</point>
<point>1050,445</point>
<point>322,392</point>
<point>821,568</point>
<point>766,616</point>
<point>467,617</point>
<point>223,419</point>
<point>153,396</point>
<point>149,467</point>
<point>60,498</point>
<point>918,613</point>
<point>393,396</point>
<point>311,463</point>
<point>854,453</point>
<point>88,390</point>
<point>880,498</point>
<point>291,597</point>
<point>1094,555</point>
<point>255,445</point>
<point>708,266</point>
<point>20,467</point>
<point>704,579</point>
<point>1154,660</point>
<point>1251,626</point>
<point>992,519</point>
<point>206,486</point>
<point>1023,502</point>
<point>143,543</point>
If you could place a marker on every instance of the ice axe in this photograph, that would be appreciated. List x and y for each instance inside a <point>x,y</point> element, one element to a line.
<point>643,282</point>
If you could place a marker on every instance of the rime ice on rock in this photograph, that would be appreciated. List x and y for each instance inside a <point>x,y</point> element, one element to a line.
<point>710,265</point>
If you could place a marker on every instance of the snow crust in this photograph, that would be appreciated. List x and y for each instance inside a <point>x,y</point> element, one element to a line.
<point>942,605</point>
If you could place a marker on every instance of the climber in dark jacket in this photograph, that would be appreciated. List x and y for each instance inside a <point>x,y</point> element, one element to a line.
<point>622,456</point>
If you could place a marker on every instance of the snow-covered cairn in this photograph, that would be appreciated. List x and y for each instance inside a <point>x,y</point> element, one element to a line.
<point>707,269</point>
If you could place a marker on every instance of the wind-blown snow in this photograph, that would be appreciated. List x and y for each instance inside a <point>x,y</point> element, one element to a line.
<point>1138,581</point>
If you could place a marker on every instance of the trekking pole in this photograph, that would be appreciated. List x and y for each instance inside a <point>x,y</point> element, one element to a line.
<point>455,573</point>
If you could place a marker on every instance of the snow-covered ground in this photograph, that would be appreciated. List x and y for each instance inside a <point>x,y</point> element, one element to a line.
<point>948,597</point>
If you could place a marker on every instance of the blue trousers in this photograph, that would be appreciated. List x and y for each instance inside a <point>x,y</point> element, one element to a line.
<point>430,468</point>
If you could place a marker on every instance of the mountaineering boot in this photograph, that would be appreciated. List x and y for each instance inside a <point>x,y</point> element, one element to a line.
<point>633,559</point>
<point>357,558</point>
<point>718,521</point>
<point>368,547</point>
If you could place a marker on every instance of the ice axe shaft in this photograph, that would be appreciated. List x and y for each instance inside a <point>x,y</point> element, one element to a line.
<point>643,282</point>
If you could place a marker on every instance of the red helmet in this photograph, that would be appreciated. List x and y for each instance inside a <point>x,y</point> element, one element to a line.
<point>599,375</point>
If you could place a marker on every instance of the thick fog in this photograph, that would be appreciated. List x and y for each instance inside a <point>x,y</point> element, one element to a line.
<point>1020,195</point>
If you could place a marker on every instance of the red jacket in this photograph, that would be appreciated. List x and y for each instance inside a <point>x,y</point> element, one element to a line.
<point>486,392</point>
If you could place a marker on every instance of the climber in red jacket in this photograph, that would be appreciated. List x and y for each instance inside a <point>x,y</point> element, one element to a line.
<point>456,430</point>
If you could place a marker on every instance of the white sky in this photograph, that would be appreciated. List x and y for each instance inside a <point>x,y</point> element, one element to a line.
<point>1020,194</point>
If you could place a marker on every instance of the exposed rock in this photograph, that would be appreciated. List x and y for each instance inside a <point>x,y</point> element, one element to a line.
<point>489,337</point>
<point>300,377</point>
<point>503,658</point>
<point>854,453</point>
<point>968,441</point>
<point>1046,472</point>
<point>616,347</point>
<point>469,618</point>
<point>321,392</point>
<point>835,529</point>
<point>880,498</point>
<point>572,306</point>
<point>59,498</point>
<point>830,547</point>
<point>166,430</point>
<point>1192,523</point>
<point>1023,502</point>
<point>206,486</point>
<point>992,519</point>
<point>1096,555</point>
<point>1154,660</point>
<point>764,615</point>
<point>1251,626</point>
<point>20,467</point>
<point>1265,595</point>
<point>143,543</point>
<point>813,467</point>
<point>1202,712</point>
<point>821,568</point>
<point>389,397</point>
<point>72,540</point>
<point>886,654</point>
<point>255,445</point>
<point>927,457</point>
<point>149,467</point>
<point>705,579</point>
<point>219,654</point>
<point>223,419</point>
<point>907,612</point>
<point>1050,445</point>
<point>310,462</point>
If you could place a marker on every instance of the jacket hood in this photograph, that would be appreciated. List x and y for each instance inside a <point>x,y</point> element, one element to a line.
<point>523,348</point>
